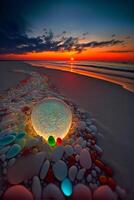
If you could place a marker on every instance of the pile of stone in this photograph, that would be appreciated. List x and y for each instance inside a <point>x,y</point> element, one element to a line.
<point>31,169</point>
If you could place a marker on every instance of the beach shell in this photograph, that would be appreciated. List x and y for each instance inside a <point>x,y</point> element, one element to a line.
<point>57,153</point>
<point>66,187</point>
<point>13,151</point>
<point>80,174</point>
<point>60,170</point>
<point>51,191</point>
<point>81,192</point>
<point>69,150</point>
<point>72,172</point>
<point>104,192</point>
<point>44,169</point>
<point>17,192</point>
<point>6,140</point>
<point>36,188</point>
<point>22,170</point>
<point>85,159</point>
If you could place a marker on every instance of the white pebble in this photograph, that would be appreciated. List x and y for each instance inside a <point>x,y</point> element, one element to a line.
<point>44,169</point>
<point>80,174</point>
<point>72,172</point>
<point>57,153</point>
<point>85,159</point>
<point>36,188</point>
<point>60,170</point>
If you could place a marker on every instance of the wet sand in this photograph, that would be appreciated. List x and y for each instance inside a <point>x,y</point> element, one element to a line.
<point>109,104</point>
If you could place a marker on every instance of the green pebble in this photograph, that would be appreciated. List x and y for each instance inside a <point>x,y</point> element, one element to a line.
<point>20,136</point>
<point>51,141</point>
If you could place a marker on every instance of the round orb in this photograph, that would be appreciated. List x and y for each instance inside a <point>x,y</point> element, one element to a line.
<point>51,117</point>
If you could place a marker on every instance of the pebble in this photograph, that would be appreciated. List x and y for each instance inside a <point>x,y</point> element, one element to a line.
<point>44,169</point>
<point>81,192</point>
<point>3,157</point>
<point>94,173</point>
<point>79,141</point>
<point>17,192</point>
<point>93,128</point>
<point>13,151</point>
<point>104,192</point>
<point>51,191</point>
<point>66,187</point>
<point>81,125</point>
<point>77,148</point>
<point>20,136</point>
<point>6,140</point>
<point>80,174</point>
<point>93,186</point>
<point>60,170</point>
<point>22,170</point>
<point>85,159</point>
<point>84,144</point>
<point>77,157</point>
<point>57,153</point>
<point>98,149</point>
<point>89,178</point>
<point>69,150</point>
<point>72,172</point>
<point>98,170</point>
<point>4,149</point>
<point>36,188</point>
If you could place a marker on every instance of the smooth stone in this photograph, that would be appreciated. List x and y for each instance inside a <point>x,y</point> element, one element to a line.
<point>57,153</point>
<point>66,187</point>
<point>25,167</point>
<point>93,128</point>
<point>13,151</point>
<point>3,157</point>
<point>4,149</point>
<point>77,157</point>
<point>60,170</point>
<point>98,170</point>
<point>6,140</point>
<point>94,173</point>
<point>104,193</point>
<point>81,125</point>
<point>121,192</point>
<point>51,191</point>
<point>44,169</point>
<point>21,142</point>
<point>89,178</point>
<point>69,150</point>
<point>17,192</point>
<point>84,144</point>
<point>72,172</point>
<point>77,148</point>
<point>79,141</point>
<point>36,188</point>
<point>98,149</point>
<point>32,142</point>
<point>81,192</point>
<point>85,159</point>
<point>20,136</point>
<point>80,174</point>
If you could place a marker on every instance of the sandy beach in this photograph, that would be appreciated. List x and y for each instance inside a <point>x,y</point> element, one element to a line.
<point>110,106</point>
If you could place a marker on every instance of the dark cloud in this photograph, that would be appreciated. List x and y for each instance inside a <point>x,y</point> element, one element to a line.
<point>21,43</point>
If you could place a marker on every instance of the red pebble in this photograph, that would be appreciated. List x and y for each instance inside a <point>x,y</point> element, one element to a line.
<point>93,155</point>
<point>71,160</point>
<point>108,171</point>
<point>111,183</point>
<point>50,176</point>
<point>103,180</point>
<point>59,141</point>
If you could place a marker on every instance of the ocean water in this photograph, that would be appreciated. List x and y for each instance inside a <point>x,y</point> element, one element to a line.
<point>118,73</point>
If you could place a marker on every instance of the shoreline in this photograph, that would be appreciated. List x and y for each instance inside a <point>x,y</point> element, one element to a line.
<point>125,83</point>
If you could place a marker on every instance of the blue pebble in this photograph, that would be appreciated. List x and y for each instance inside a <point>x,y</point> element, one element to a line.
<point>66,187</point>
<point>7,139</point>
<point>13,151</point>
<point>20,136</point>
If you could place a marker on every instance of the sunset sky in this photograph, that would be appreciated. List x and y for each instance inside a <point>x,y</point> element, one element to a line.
<point>97,30</point>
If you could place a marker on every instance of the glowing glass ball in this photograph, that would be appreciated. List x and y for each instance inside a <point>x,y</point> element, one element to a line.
<point>51,117</point>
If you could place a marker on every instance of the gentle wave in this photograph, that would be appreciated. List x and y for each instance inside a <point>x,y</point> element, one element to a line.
<point>118,73</point>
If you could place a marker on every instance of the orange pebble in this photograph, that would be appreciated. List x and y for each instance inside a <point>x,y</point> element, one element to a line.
<point>111,183</point>
<point>100,164</point>
<point>103,180</point>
